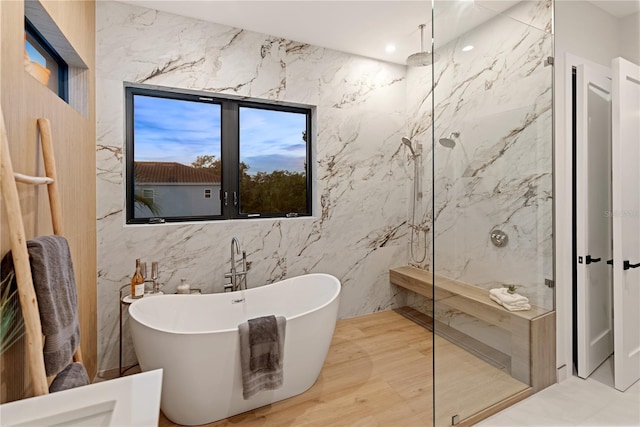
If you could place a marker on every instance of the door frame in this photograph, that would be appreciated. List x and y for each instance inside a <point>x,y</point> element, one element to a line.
<point>563,183</point>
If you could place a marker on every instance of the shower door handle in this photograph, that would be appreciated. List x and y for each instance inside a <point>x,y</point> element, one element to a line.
<point>627,265</point>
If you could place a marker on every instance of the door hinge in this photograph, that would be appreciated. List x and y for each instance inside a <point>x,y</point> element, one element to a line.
<point>549,60</point>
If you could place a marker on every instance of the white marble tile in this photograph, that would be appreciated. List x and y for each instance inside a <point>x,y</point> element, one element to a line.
<point>574,402</point>
<point>623,412</point>
<point>484,332</point>
<point>364,107</point>
<point>633,391</point>
<point>534,13</point>
<point>359,229</point>
<point>498,98</point>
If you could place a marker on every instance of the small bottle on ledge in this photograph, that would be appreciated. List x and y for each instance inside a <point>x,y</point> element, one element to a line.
<point>137,282</point>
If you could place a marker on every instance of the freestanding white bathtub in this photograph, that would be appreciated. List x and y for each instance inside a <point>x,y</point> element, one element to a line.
<point>194,338</point>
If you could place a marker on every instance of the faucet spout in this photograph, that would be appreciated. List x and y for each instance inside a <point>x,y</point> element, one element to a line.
<point>234,242</point>
<point>237,278</point>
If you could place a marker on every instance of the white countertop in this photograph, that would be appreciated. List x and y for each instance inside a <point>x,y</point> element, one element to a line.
<point>133,400</point>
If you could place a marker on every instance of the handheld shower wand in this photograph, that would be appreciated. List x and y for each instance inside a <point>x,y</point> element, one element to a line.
<point>417,195</point>
<point>406,141</point>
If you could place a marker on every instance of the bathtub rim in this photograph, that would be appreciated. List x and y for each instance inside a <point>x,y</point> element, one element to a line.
<point>133,306</point>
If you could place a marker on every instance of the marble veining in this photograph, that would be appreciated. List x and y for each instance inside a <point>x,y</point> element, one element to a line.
<point>497,96</point>
<point>358,230</point>
<point>498,176</point>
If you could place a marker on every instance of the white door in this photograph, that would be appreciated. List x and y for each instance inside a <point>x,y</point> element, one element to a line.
<point>593,219</point>
<point>626,222</point>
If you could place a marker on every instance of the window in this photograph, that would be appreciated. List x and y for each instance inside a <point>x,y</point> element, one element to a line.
<point>43,62</point>
<point>249,159</point>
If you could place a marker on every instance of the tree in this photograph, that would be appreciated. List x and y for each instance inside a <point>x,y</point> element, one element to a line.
<point>276,192</point>
<point>208,161</point>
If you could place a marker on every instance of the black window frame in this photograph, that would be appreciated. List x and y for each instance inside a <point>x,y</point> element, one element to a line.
<point>63,68</point>
<point>229,147</point>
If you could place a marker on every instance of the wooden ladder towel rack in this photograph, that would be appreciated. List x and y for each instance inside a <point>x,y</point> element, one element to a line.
<point>26,292</point>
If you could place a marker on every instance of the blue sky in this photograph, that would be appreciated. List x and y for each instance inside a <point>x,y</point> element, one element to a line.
<point>170,130</point>
<point>271,140</point>
<point>34,55</point>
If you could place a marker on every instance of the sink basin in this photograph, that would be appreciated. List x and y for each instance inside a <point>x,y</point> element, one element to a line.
<point>132,401</point>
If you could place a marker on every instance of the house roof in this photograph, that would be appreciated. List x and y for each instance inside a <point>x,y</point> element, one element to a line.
<point>173,172</point>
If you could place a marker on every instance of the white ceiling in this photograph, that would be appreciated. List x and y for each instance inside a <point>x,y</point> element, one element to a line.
<point>361,27</point>
<point>618,8</point>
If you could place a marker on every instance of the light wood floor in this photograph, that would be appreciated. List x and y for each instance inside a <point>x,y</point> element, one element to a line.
<point>379,373</point>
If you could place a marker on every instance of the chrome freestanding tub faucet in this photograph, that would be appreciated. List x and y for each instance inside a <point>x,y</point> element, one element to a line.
<point>238,279</point>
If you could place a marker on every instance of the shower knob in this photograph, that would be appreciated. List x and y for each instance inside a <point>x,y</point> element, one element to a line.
<point>499,238</point>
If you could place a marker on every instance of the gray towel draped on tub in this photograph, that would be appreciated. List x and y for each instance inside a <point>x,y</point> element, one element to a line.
<point>55,286</point>
<point>261,354</point>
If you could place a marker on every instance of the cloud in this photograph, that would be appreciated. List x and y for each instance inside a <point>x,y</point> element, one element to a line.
<point>265,132</point>
<point>179,130</point>
<point>269,163</point>
<point>175,130</point>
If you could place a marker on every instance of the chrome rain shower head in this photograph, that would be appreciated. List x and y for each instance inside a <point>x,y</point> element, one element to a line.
<point>450,141</point>
<point>406,141</point>
<point>422,58</point>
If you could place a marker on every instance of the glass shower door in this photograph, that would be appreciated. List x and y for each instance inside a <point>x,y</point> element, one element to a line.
<point>491,206</point>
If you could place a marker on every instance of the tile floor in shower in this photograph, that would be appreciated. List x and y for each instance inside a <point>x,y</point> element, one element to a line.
<point>379,373</point>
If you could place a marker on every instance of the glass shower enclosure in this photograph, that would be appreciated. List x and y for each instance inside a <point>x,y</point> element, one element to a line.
<point>482,110</point>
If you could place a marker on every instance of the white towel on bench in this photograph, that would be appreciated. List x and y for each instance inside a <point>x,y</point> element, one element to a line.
<point>512,302</point>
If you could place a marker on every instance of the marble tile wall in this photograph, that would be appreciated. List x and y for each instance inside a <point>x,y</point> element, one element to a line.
<point>359,228</point>
<point>498,176</point>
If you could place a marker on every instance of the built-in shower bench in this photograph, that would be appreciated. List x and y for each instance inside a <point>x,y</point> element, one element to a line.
<point>532,332</point>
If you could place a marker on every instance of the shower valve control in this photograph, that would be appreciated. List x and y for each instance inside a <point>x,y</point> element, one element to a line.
<point>499,238</point>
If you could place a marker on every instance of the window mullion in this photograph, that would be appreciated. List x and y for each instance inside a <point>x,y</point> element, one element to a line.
<point>230,159</point>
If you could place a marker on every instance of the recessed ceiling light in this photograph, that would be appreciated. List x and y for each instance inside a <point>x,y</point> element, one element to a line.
<point>390,48</point>
<point>467,48</point>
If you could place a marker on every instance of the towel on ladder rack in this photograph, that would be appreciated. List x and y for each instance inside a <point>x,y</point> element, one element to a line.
<point>74,375</point>
<point>55,287</point>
